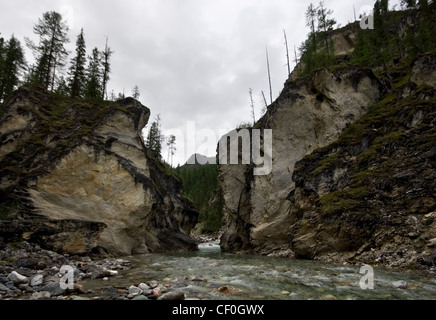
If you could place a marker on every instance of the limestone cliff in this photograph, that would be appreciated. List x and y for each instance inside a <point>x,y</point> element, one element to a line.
<point>352,175</point>
<point>82,161</point>
<point>309,114</point>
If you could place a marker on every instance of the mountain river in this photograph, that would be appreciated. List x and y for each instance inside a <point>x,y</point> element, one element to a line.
<point>212,275</point>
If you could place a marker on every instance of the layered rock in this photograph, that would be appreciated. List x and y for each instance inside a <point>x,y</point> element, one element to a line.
<point>352,176</point>
<point>310,113</point>
<point>86,162</point>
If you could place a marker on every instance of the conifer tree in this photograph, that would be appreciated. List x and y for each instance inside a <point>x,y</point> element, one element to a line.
<point>135,92</point>
<point>12,64</point>
<point>311,15</point>
<point>50,53</point>
<point>77,79</point>
<point>93,87</point>
<point>155,137</point>
<point>325,24</point>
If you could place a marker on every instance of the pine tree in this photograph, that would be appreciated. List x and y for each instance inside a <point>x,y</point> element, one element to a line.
<point>155,137</point>
<point>325,24</point>
<point>135,92</point>
<point>50,53</point>
<point>77,79</point>
<point>106,55</point>
<point>311,15</point>
<point>13,64</point>
<point>93,86</point>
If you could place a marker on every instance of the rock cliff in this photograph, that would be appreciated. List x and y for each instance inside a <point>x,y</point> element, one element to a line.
<point>352,175</point>
<point>86,163</point>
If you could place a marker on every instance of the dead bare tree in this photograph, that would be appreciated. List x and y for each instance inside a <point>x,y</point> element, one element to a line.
<point>287,53</point>
<point>269,75</point>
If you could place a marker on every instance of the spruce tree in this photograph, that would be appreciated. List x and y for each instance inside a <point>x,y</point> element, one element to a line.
<point>50,53</point>
<point>311,15</point>
<point>155,137</point>
<point>93,87</point>
<point>135,92</point>
<point>325,24</point>
<point>13,64</point>
<point>76,81</point>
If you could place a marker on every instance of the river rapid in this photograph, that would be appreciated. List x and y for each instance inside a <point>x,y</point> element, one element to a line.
<point>209,274</point>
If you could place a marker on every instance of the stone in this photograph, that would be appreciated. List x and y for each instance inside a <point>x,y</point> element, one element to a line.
<point>134,291</point>
<point>25,287</point>
<point>40,295</point>
<point>17,278</point>
<point>79,298</point>
<point>157,292</point>
<point>111,273</point>
<point>54,289</point>
<point>37,280</point>
<point>152,284</point>
<point>77,288</point>
<point>140,297</point>
<point>143,287</point>
<point>31,263</point>
<point>173,295</point>
<point>4,288</point>
<point>401,284</point>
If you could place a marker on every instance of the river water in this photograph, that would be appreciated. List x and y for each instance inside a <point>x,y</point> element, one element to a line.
<point>204,273</point>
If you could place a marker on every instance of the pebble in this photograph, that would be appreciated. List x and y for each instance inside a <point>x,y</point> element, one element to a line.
<point>37,280</point>
<point>54,289</point>
<point>134,291</point>
<point>41,295</point>
<point>174,295</point>
<point>143,287</point>
<point>4,288</point>
<point>157,292</point>
<point>153,284</point>
<point>79,298</point>
<point>140,297</point>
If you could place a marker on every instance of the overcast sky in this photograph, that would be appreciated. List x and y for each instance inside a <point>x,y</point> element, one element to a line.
<point>194,61</point>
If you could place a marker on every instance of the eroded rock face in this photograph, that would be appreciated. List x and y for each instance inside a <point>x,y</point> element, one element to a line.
<point>309,114</point>
<point>77,161</point>
<point>363,194</point>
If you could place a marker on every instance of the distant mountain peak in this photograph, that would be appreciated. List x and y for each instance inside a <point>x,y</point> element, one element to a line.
<point>201,159</point>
